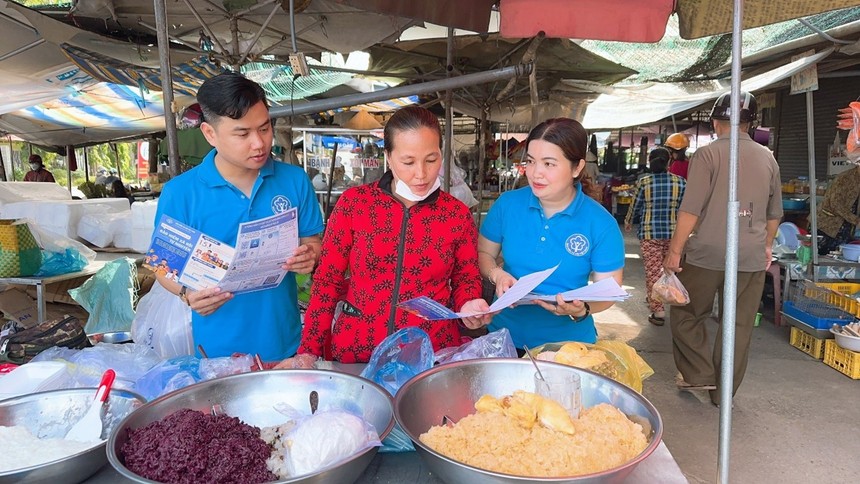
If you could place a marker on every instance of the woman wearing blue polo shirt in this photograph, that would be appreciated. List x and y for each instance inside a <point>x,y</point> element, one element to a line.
<point>551,222</point>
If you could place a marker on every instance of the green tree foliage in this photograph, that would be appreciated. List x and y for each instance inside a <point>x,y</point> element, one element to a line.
<point>98,156</point>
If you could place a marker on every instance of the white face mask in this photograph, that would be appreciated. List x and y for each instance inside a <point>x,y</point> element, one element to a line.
<point>406,193</point>
<point>34,166</point>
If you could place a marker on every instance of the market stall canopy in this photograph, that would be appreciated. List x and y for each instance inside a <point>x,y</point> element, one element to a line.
<point>259,26</point>
<point>638,21</point>
<point>100,113</point>
<point>472,15</point>
<point>674,59</point>
<point>621,107</point>
<point>700,18</point>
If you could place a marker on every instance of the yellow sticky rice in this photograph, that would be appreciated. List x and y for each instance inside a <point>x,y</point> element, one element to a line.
<point>604,438</point>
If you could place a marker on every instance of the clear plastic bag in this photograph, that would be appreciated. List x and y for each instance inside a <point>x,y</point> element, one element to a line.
<point>669,290</point>
<point>86,366</point>
<point>613,359</point>
<point>497,344</point>
<point>163,322</point>
<point>225,366</point>
<point>398,358</point>
<point>168,376</point>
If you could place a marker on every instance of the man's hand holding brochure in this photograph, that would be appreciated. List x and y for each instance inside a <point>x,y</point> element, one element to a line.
<point>198,261</point>
<point>521,293</point>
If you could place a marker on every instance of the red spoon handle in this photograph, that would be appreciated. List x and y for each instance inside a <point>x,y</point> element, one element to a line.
<point>107,381</point>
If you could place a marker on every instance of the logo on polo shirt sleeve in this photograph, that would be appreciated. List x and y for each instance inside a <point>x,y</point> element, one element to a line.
<point>577,245</point>
<point>280,204</point>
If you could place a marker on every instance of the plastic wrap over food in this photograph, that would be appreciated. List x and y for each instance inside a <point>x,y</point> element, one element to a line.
<point>497,344</point>
<point>669,290</point>
<point>613,359</point>
<point>325,438</point>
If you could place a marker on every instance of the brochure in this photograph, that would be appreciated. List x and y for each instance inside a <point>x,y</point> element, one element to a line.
<point>432,310</point>
<point>602,290</point>
<point>199,261</point>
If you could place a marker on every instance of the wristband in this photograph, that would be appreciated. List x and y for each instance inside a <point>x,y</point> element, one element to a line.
<point>581,318</point>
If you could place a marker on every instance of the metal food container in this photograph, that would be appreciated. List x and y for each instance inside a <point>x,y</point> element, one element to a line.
<point>251,397</point>
<point>452,390</point>
<point>51,415</point>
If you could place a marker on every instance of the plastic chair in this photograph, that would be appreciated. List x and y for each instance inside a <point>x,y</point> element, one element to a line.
<point>774,273</point>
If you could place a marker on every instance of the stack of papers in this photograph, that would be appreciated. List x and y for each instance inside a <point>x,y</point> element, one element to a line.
<point>520,293</point>
<point>602,290</point>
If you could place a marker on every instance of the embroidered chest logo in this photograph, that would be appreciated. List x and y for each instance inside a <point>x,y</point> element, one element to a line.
<point>280,204</point>
<point>576,245</point>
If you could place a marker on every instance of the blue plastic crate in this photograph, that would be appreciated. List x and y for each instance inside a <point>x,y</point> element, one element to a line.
<point>842,319</point>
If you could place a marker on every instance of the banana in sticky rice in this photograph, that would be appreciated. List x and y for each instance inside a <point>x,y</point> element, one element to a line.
<point>528,409</point>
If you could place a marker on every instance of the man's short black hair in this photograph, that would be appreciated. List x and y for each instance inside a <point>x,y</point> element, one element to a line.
<point>229,94</point>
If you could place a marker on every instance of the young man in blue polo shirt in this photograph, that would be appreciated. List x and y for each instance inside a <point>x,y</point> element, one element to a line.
<point>238,182</point>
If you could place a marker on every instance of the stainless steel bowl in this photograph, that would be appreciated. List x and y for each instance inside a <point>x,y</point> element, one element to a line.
<point>251,397</point>
<point>114,337</point>
<point>452,389</point>
<point>51,415</point>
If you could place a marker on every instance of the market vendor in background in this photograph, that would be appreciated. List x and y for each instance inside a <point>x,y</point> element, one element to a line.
<point>837,214</point>
<point>390,241</point>
<point>238,182</point>
<point>37,172</point>
<point>677,145</point>
<point>547,223</point>
<point>655,203</point>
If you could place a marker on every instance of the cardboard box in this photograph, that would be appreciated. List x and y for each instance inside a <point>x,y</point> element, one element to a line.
<point>17,306</point>
<point>58,292</point>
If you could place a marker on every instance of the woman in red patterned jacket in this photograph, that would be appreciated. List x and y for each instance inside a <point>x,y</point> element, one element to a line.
<point>388,242</point>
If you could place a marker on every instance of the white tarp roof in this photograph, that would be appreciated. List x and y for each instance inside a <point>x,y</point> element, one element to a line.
<point>621,107</point>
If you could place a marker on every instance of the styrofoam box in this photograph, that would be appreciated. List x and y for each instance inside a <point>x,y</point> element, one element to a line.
<point>100,229</point>
<point>11,192</point>
<point>33,377</point>
<point>62,216</point>
<point>142,224</point>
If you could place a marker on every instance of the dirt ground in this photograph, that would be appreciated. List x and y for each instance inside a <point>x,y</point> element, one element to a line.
<point>795,420</point>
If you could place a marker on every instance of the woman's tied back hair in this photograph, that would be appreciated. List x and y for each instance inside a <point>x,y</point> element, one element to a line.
<point>565,133</point>
<point>407,119</point>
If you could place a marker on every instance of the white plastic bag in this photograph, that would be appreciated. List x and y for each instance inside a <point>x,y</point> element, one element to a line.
<point>163,323</point>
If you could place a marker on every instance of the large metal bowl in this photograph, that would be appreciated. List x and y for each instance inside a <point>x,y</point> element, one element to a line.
<point>452,389</point>
<point>51,415</point>
<point>251,397</point>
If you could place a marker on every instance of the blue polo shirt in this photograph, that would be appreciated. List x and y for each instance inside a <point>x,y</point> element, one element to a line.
<point>583,238</point>
<point>263,322</point>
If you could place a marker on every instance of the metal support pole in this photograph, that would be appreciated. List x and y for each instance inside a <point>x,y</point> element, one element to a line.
<point>482,161</point>
<point>730,284</point>
<point>69,154</point>
<point>813,201</point>
<point>87,164</point>
<point>457,82</point>
<point>234,35</point>
<point>448,156</point>
<point>167,86</point>
<point>258,34</point>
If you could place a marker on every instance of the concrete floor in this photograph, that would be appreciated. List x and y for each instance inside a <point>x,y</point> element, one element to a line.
<point>795,419</point>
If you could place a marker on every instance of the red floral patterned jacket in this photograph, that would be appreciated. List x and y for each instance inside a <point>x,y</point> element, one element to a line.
<point>377,253</point>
